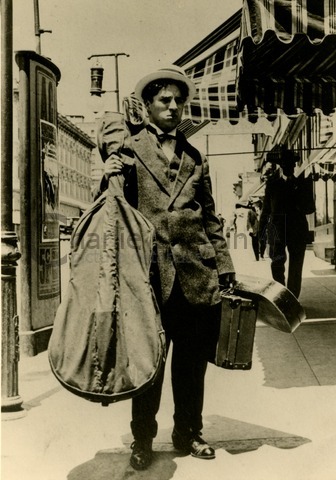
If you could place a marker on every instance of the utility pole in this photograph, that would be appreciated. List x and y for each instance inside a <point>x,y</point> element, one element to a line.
<point>38,30</point>
<point>11,402</point>
<point>116,91</point>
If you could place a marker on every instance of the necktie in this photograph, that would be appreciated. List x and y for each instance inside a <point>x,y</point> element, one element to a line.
<point>162,137</point>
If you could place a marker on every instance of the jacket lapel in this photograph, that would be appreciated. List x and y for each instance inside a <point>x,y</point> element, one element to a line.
<point>152,157</point>
<point>155,161</point>
<point>187,166</point>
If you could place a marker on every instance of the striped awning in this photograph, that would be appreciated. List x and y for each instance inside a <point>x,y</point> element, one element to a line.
<point>287,57</point>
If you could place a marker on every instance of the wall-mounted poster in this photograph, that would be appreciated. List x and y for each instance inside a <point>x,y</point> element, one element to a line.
<point>49,182</point>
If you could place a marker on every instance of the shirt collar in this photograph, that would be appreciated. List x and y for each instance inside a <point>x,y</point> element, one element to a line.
<point>160,132</point>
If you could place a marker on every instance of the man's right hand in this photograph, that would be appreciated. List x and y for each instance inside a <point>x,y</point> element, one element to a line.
<point>113,166</point>
<point>227,280</point>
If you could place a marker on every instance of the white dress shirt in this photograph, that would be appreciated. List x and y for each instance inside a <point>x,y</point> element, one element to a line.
<point>168,145</point>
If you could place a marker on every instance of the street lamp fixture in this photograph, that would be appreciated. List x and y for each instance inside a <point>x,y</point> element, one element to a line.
<point>97,72</point>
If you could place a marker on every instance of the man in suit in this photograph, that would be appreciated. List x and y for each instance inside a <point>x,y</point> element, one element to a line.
<point>287,202</point>
<point>252,229</point>
<point>252,226</point>
<point>168,181</point>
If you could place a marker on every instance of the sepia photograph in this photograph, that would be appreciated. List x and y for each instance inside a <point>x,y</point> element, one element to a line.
<point>168,260</point>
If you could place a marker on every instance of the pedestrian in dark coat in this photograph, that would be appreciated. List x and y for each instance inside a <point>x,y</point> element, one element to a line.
<point>222,220</point>
<point>168,181</point>
<point>252,225</point>
<point>287,202</point>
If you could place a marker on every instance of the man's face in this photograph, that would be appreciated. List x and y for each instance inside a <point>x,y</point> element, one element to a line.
<point>288,168</point>
<point>166,109</point>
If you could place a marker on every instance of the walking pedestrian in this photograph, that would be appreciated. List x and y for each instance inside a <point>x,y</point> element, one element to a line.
<point>252,226</point>
<point>168,181</point>
<point>287,201</point>
<point>222,220</point>
<point>262,236</point>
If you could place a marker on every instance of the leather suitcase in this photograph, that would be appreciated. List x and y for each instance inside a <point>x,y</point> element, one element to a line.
<point>236,336</point>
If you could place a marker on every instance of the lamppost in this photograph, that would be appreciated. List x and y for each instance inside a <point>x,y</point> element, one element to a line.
<point>10,399</point>
<point>97,76</point>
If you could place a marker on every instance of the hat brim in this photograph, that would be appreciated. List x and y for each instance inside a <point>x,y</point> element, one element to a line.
<point>165,74</point>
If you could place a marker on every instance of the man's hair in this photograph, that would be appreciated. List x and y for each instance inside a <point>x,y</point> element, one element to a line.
<point>155,86</point>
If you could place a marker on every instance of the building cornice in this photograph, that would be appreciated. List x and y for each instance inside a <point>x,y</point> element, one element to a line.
<point>65,124</point>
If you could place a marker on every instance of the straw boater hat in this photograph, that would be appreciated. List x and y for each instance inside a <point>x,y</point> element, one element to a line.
<point>172,72</point>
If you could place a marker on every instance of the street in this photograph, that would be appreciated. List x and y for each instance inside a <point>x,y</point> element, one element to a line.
<point>252,84</point>
<point>276,421</point>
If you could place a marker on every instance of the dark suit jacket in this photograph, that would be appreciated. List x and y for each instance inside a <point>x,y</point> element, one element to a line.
<point>285,207</point>
<point>252,222</point>
<point>176,198</point>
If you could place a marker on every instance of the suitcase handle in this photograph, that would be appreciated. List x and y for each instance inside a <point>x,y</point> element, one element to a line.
<point>235,302</point>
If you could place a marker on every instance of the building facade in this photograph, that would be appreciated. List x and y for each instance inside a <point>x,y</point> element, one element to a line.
<point>75,168</point>
<point>276,63</point>
<point>97,165</point>
<point>74,158</point>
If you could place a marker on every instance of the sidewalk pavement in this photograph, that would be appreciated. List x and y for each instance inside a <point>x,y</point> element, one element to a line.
<point>276,421</point>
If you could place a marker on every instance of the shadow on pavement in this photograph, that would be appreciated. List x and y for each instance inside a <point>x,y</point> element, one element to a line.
<point>232,435</point>
<point>36,402</point>
<point>318,296</point>
<point>302,359</point>
<point>107,465</point>
<point>324,272</point>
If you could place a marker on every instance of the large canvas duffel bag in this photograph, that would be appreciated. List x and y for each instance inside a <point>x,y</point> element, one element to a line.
<point>107,342</point>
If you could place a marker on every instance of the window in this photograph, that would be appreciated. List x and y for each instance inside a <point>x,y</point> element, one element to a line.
<point>315,14</point>
<point>231,54</point>
<point>196,111</point>
<point>209,65</point>
<point>214,103</point>
<point>330,201</point>
<point>283,17</point>
<point>219,60</point>
<point>231,90</point>
<point>214,112</point>
<point>199,69</point>
<point>213,94</point>
<point>323,202</point>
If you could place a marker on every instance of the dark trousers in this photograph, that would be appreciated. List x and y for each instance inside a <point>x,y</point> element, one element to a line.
<point>262,246</point>
<point>255,246</point>
<point>296,252</point>
<point>192,331</point>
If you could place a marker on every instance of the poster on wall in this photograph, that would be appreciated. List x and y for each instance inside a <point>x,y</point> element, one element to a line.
<point>49,182</point>
<point>48,263</point>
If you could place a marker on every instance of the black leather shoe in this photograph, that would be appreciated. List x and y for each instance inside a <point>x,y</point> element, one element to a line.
<point>142,454</point>
<point>193,444</point>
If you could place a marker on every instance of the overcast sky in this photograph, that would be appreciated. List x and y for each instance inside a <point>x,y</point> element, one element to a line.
<point>150,31</point>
